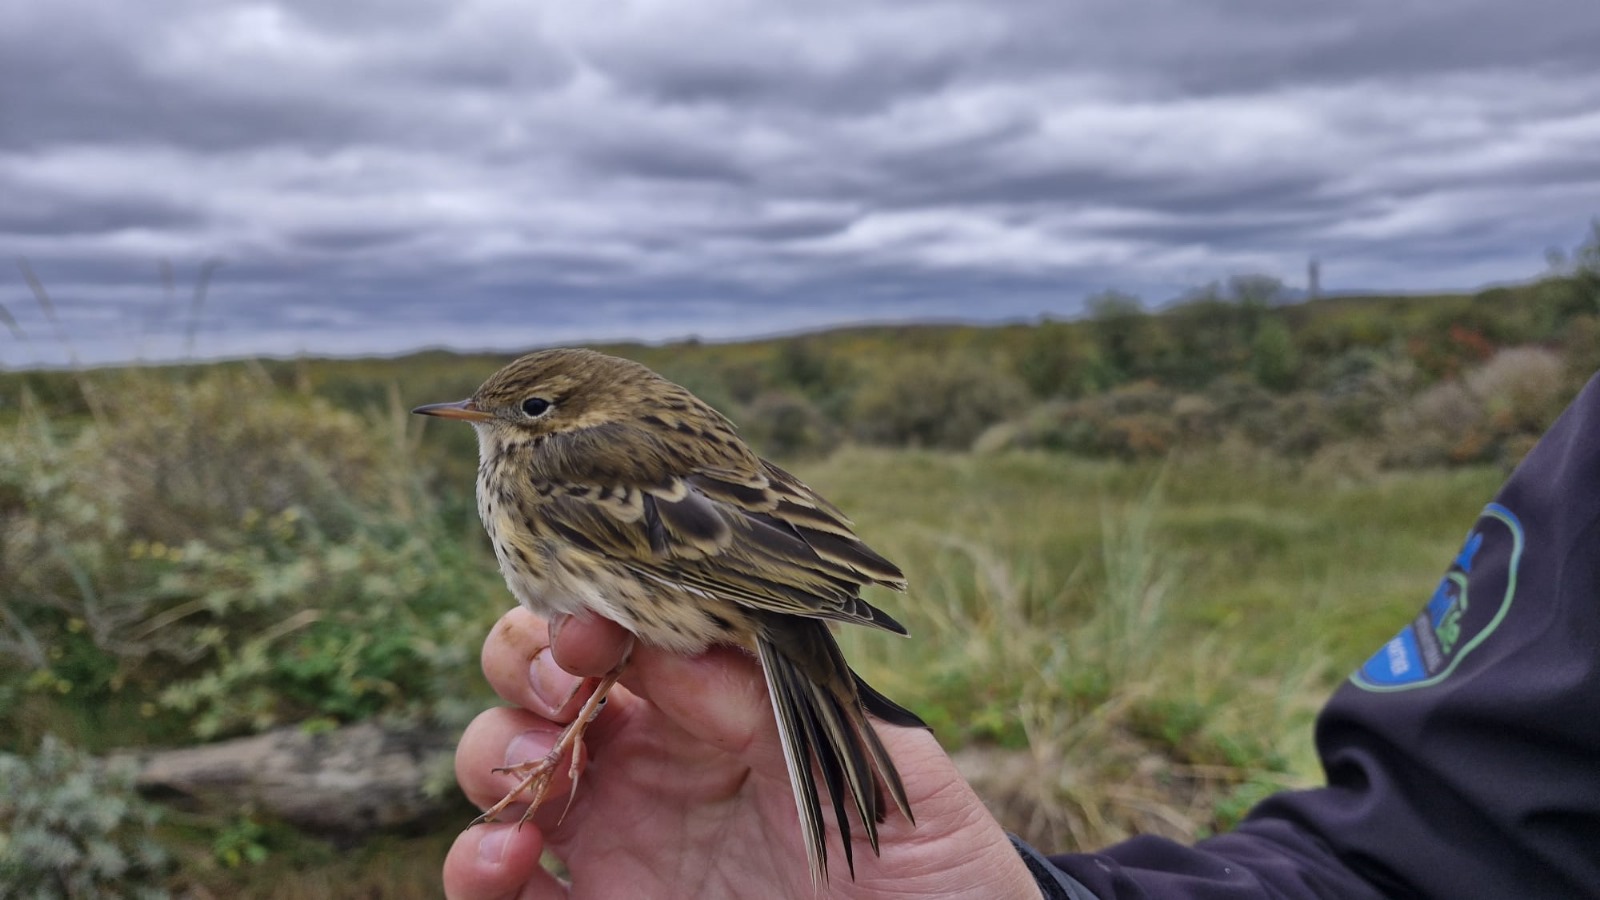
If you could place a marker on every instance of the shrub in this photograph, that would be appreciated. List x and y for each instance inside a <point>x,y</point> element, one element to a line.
<point>1580,346</point>
<point>1522,389</point>
<point>72,827</point>
<point>1450,347</point>
<point>231,554</point>
<point>1136,421</point>
<point>1361,385</point>
<point>1062,360</point>
<point>1440,426</point>
<point>1576,285</point>
<point>181,461</point>
<point>1304,425</point>
<point>1493,413</point>
<point>803,364</point>
<point>1274,361</point>
<point>925,401</point>
<point>1047,426</point>
<point>784,424</point>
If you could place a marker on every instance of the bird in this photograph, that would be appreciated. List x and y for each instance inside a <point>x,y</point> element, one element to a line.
<point>607,489</point>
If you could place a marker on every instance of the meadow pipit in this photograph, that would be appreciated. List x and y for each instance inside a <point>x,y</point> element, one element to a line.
<point>607,489</point>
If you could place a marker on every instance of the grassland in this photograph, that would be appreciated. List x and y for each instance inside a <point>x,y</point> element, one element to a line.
<point>1156,636</point>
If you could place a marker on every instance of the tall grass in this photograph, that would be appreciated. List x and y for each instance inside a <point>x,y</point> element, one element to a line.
<point>1153,641</point>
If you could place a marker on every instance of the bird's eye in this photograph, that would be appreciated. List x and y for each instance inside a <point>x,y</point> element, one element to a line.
<point>534,407</point>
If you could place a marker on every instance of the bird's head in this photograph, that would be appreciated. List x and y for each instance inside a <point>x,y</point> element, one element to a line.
<point>553,391</point>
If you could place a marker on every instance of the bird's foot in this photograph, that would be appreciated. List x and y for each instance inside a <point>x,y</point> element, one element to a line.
<point>537,774</point>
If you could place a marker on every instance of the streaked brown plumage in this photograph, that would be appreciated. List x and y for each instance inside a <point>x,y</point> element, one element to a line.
<point>607,488</point>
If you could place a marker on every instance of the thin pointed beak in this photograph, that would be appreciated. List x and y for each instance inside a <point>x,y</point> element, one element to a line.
<point>464,409</point>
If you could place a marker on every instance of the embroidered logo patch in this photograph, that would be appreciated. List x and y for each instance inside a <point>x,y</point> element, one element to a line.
<point>1456,619</point>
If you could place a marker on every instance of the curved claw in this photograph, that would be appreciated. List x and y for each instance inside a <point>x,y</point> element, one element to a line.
<point>539,772</point>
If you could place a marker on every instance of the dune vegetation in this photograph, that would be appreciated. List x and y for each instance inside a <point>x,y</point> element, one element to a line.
<point>1143,547</point>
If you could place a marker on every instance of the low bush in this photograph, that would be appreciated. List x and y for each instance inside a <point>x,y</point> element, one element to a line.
<point>228,557</point>
<point>1493,413</point>
<point>71,827</point>
<point>924,401</point>
<point>785,425</point>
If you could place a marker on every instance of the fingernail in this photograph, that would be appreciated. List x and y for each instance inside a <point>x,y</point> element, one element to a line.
<point>552,684</point>
<point>529,745</point>
<point>555,626</point>
<point>492,846</point>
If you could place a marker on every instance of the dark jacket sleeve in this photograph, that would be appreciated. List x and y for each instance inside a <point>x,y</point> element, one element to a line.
<point>1462,758</point>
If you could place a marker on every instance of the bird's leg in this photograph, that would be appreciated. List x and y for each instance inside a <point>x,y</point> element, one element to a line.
<point>538,772</point>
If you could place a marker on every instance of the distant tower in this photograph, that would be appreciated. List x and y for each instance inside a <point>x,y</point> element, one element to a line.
<point>1314,279</point>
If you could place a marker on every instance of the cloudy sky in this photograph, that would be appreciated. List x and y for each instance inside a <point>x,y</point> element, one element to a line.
<point>378,176</point>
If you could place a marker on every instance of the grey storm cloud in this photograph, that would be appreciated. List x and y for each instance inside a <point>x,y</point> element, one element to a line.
<point>403,173</point>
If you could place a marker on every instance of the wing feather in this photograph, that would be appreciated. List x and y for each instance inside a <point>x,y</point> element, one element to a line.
<point>751,533</point>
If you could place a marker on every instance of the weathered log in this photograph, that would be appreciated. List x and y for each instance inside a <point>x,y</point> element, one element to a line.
<point>351,780</point>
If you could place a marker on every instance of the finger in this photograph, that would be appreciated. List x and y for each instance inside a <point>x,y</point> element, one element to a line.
<point>719,696</point>
<point>521,669</point>
<point>505,737</point>
<point>588,645</point>
<point>491,862</point>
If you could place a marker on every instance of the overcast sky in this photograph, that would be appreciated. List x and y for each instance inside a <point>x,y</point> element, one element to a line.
<point>378,176</point>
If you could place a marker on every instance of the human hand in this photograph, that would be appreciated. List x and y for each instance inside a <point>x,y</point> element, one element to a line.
<point>683,791</point>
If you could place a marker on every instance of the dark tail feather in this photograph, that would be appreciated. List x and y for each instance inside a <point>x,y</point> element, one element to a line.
<point>796,727</point>
<point>819,705</point>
